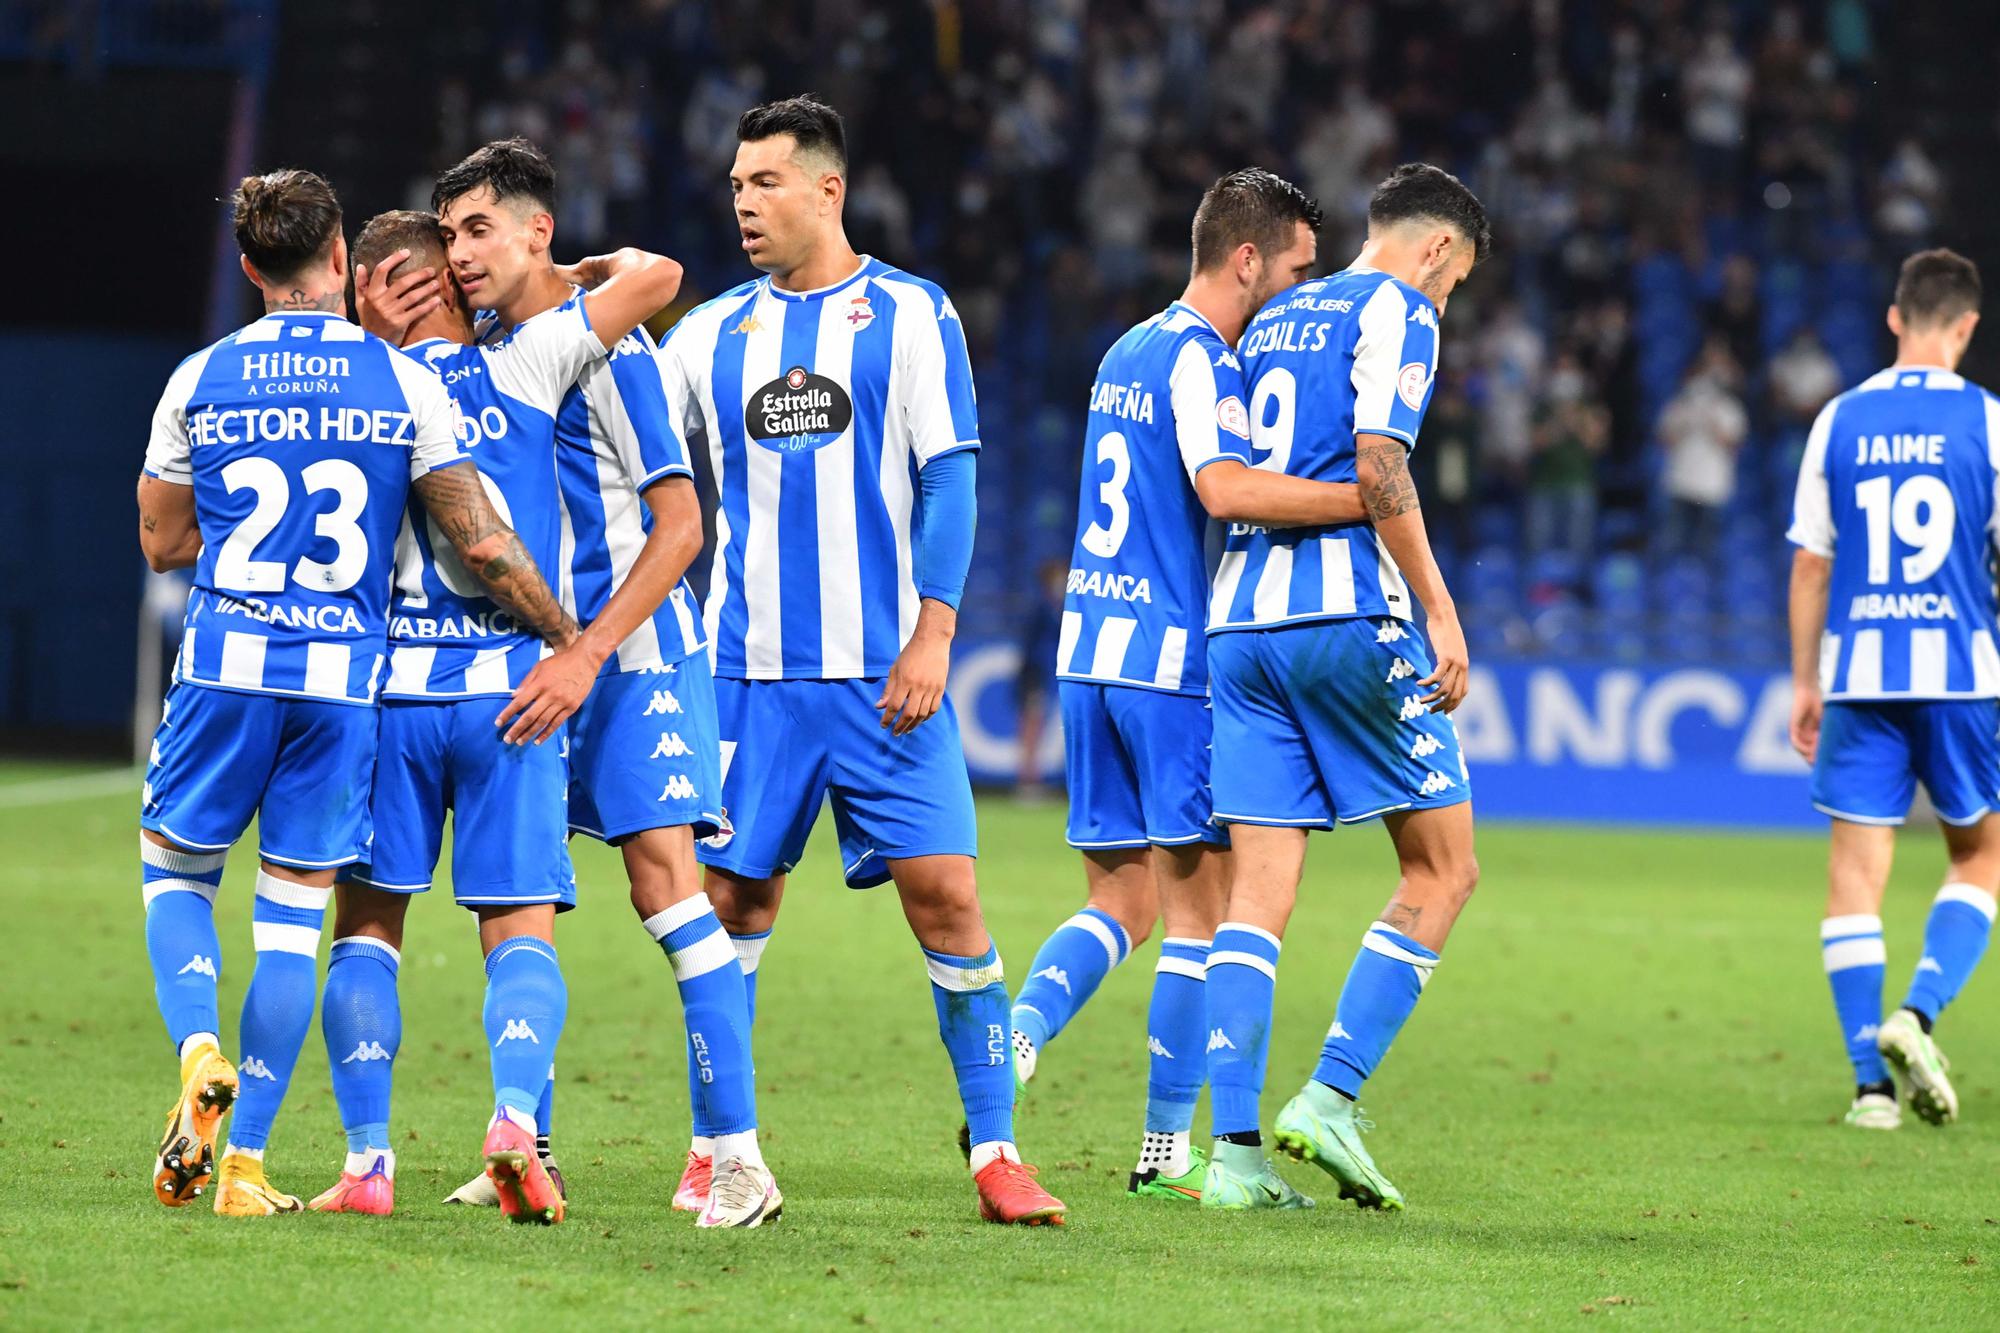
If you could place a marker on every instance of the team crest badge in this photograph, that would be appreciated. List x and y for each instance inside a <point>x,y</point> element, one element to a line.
<point>860,313</point>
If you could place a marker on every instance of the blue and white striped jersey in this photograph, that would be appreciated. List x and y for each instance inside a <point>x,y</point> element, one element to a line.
<point>614,438</point>
<point>1328,360</point>
<point>1167,402</point>
<point>1897,489</point>
<point>300,435</point>
<point>447,639</point>
<point>818,409</point>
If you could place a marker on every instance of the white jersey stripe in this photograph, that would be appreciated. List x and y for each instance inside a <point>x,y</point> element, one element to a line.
<point>1072,630</point>
<point>1336,575</point>
<point>1173,654</point>
<point>242,660</point>
<point>763,588</point>
<point>487,673</point>
<point>327,667</point>
<point>1929,665</point>
<point>1114,633</point>
<point>410,670</point>
<point>1273,597</point>
<point>840,573</point>
<point>1864,662</point>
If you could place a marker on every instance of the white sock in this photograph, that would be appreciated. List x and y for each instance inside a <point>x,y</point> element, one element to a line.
<point>743,1147</point>
<point>361,1163</point>
<point>524,1119</point>
<point>196,1040</point>
<point>701,1145</point>
<point>254,1154</point>
<point>983,1154</point>
<point>1167,1151</point>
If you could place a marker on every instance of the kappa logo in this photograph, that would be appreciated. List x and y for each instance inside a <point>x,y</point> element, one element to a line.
<point>678,789</point>
<point>1057,975</point>
<point>1389,631</point>
<point>1401,670</point>
<point>366,1051</point>
<point>1338,1032</point>
<point>518,1030</point>
<point>749,325</point>
<point>1929,964</point>
<point>1435,783</point>
<point>1413,708</point>
<point>1426,746</point>
<point>1154,1047</point>
<point>663,701</point>
<point>198,964</point>
<point>1218,1040</point>
<point>671,746</point>
<point>1867,1033</point>
<point>255,1067</point>
<point>1425,316</point>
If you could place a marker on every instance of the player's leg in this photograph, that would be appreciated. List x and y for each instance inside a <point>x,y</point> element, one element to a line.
<point>210,757</point>
<point>361,1018</point>
<point>527,1003</point>
<point>1194,895</point>
<point>1107,824</point>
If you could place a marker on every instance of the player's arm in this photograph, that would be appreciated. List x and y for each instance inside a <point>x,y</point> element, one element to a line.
<point>624,289</point>
<point>493,551</point>
<point>1812,575</point>
<point>169,533</point>
<point>1382,468</point>
<point>1235,492</point>
<point>1212,429</point>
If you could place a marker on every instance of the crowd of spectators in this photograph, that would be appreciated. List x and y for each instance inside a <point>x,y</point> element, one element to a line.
<point>1697,206</point>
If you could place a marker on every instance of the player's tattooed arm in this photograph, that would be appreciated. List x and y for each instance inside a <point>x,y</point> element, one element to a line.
<point>1382,466</point>
<point>299,299</point>
<point>169,534</point>
<point>1389,496</point>
<point>493,551</point>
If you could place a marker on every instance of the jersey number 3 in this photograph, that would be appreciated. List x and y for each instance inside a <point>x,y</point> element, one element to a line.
<point>1101,541</point>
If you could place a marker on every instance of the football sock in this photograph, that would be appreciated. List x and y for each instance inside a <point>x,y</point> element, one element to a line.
<point>1852,949</point>
<point>1176,1030</point>
<point>1166,1153</point>
<point>716,1007</point>
<point>362,1020</point>
<point>1067,971</point>
<point>749,953</point>
<point>179,889</point>
<point>1954,938</point>
<point>278,1009</point>
<point>361,1163</point>
<point>545,1114</point>
<point>1242,976</point>
<point>526,1003</point>
<point>1382,988</point>
<point>970,994</point>
<point>1885,1088</point>
<point>1247,1138</point>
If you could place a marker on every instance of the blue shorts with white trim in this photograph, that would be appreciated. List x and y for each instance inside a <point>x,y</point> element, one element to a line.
<point>1136,763</point>
<point>301,766</point>
<point>508,803</point>
<point>644,753</point>
<point>1320,723</point>
<point>1873,754</point>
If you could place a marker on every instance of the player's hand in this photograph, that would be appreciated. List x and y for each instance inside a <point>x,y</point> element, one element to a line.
<point>553,691</point>
<point>585,273</point>
<point>1454,665</point>
<point>915,688</point>
<point>1806,711</point>
<point>387,307</point>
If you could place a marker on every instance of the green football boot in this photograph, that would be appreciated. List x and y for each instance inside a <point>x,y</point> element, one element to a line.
<point>1322,1127</point>
<point>1919,1066</point>
<point>1241,1177</point>
<point>1186,1186</point>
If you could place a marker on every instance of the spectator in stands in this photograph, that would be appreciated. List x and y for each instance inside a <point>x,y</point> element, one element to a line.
<point>1803,377</point>
<point>1702,430</point>
<point>1569,436</point>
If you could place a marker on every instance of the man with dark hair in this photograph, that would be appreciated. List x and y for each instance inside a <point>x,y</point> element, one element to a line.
<point>836,399</point>
<point>1166,453</point>
<point>1896,673</point>
<point>280,463</point>
<point>1328,707</point>
<point>456,660</point>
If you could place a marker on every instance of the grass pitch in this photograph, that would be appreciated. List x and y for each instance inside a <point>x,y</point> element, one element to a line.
<point>1617,1102</point>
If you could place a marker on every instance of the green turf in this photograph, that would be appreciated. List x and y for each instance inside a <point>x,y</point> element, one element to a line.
<point>1617,1101</point>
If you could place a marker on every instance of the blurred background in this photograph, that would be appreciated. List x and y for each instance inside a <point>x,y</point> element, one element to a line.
<point>1699,209</point>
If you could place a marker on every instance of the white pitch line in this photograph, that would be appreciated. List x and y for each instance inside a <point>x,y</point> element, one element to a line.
<point>80,787</point>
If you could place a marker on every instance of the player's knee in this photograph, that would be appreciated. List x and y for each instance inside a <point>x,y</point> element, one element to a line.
<point>1467,879</point>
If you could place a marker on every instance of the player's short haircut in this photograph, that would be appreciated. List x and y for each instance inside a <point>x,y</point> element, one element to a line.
<point>284,221</point>
<point>402,229</point>
<point>1252,205</point>
<point>1420,192</point>
<point>1936,287</point>
<point>814,126</point>
<point>515,171</point>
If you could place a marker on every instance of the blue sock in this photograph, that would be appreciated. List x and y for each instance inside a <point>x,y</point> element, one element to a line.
<point>278,1009</point>
<point>1851,947</point>
<point>971,998</point>
<point>716,1008</point>
<point>362,1020</point>
<point>526,1003</point>
<point>545,1112</point>
<point>1242,979</point>
<point>179,889</point>
<point>1382,988</point>
<point>749,953</point>
<point>1954,938</point>
<point>1176,1032</point>
<point>1067,970</point>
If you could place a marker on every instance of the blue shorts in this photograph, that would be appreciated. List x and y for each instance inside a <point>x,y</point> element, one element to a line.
<point>1137,766</point>
<point>1318,724</point>
<point>1872,755</point>
<point>509,807</point>
<point>789,745</point>
<point>302,766</point>
<point>644,753</point>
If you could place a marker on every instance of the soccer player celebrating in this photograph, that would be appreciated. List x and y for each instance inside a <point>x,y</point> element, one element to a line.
<point>1895,671</point>
<point>836,399</point>
<point>1168,447</point>
<point>1329,708</point>
<point>455,658</point>
<point>280,464</point>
